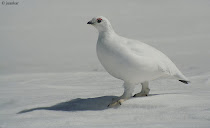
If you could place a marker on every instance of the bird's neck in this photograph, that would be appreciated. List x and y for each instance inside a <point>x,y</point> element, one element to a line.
<point>107,33</point>
<point>106,29</point>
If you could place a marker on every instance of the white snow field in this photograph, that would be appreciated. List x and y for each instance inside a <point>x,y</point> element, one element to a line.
<point>61,100</point>
<point>50,76</point>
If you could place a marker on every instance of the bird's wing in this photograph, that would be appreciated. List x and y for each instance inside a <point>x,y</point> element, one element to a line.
<point>153,55</point>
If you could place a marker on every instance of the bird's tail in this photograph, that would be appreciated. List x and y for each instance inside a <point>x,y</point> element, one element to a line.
<point>184,81</point>
<point>182,78</point>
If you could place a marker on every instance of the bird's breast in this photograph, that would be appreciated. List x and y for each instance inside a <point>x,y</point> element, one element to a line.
<point>107,56</point>
<point>115,60</point>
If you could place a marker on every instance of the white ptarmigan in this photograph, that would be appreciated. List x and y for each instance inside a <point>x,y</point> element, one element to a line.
<point>132,61</point>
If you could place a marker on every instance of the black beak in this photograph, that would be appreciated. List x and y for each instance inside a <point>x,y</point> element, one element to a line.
<point>89,22</point>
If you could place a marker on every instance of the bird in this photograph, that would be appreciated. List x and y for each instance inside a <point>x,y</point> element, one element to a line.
<point>131,61</point>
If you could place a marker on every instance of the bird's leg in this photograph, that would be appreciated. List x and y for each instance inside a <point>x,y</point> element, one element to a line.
<point>128,90</point>
<point>144,91</point>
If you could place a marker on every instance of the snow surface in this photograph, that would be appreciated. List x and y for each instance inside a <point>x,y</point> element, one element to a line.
<point>50,77</point>
<point>80,100</point>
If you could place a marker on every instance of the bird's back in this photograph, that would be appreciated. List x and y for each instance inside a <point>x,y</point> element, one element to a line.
<point>159,59</point>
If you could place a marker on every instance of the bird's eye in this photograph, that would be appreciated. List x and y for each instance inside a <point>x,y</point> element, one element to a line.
<point>99,20</point>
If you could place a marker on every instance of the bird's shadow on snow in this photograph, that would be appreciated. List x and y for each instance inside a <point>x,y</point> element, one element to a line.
<point>94,104</point>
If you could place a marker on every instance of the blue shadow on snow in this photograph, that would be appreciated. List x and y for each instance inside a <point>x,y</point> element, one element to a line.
<point>94,104</point>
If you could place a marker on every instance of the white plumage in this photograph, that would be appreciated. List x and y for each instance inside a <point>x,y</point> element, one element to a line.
<point>132,61</point>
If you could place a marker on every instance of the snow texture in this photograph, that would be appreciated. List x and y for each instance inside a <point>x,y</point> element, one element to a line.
<point>50,77</point>
<point>81,99</point>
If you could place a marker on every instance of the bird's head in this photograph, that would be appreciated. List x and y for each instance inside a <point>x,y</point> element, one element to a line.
<point>101,24</point>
